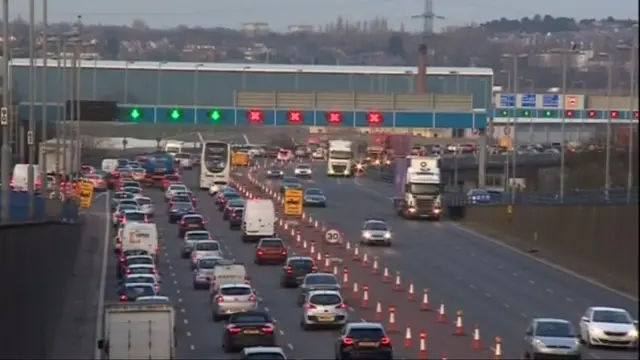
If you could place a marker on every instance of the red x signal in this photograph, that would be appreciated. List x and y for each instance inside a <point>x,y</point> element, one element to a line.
<point>614,114</point>
<point>636,114</point>
<point>591,114</point>
<point>295,117</point>
<point>374,118</point>
<point>255,116</point>
<point>334,117</point>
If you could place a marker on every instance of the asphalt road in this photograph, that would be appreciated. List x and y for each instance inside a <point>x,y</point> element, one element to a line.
<point>497,288</point>
<point>198,336</point>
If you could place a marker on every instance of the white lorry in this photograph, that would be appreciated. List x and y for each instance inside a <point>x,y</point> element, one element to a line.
<point>138,331</point>
<point>49,152</point>
<point>340,158</point>
<point>173,147</point>
<point>418,187</point>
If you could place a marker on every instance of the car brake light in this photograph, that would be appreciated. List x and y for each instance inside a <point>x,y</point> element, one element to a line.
<point>314,269</point>
<point>309,307</point>
<point>260,252</point>
<point>219,299</point>
<point>234,330</point>
<point>347,341</point>
<point>183,223</point>
<point>341,306</point>
<point>122,259</point>
<point>267,329</point>
<point>123,297</point>
<point>252,298</point>
<point>128,271</point>
<point>247,279</point>
<point>284,252</point>
<point>385,341</point>
<point>289,270</point>
<point>157,288</point>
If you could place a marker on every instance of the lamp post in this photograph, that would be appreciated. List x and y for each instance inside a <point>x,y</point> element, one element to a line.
<point>126,81</point>
<point>607,160</point>
<point>566,50</point>
<point>195,92</point>
<point>6,116</point>
<point>159,90</point>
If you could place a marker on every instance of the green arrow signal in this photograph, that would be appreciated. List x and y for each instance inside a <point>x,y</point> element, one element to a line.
<point>215,115</point>
<point>135,114</point>
<point>175,114</point>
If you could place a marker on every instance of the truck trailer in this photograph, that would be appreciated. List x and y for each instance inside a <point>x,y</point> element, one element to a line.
<point>418,187</point>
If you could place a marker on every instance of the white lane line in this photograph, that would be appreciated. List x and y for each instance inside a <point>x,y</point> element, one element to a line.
<point>550,291</point>
<point>188,333</point>
<point>281,333</point>
<point>290,346</point>
<point>103,278</point>
<point>192,347</point>
<point>186,321</point>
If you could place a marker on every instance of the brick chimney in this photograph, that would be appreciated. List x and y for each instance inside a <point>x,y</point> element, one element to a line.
<point>421,86</point>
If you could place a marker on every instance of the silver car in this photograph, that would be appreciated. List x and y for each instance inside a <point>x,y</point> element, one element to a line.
<point>324,308</point>
<point>185,160</point>
<point>231,299</point>
<point>314,197</point>
<point>204,271</point>
<point>376,232</point>
<point>146,205</point>
<point>553,338</point>
<point>608,326</point>
<point>205,248</point>
<point>317,281</point>
<point>190,239</point>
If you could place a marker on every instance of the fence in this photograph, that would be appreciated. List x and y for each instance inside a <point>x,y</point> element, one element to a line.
<point>48,207</point>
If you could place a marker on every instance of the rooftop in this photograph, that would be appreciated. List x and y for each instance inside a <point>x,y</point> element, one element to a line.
<point>274,68</point>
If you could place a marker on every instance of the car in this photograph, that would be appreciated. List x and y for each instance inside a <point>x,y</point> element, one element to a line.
<point>323,308</point>
<point>365,339</point>
<point>275,172</point>
<point>223,191</point>
<point>610,327</point>
<point>235,219</point>
<point>317,281</point>
<point>131,291</point>
<point>180,197</point>
<point>263,353</point>
<point>130,183</point>
<point>290,185</point>
<point>185,161</point>
<point>314,197</point>
<point>146,205</point>
<point>271,250</point>
<point>553,338</point>
<point>134,216</point>
<point>118,215</point>
<point>203,271</point>
<point>168,180</point>
<point>128,261</point>
<point>98,180</point>
<point>216,188</point>
<point>205,248</point>
<point>119,196</point>
<point>142,279</point>
<point>248,329</point>
<point>375,231</point>
<point>190,222</point>
<point>295,269</point>
<point>173,189</point>
<point>138,173</point>
<point>226,198</point>
<point>178,209</point>
<point>144,269</point>
<point>303,170</point>
<point>231,299</point>
<point>232,204</point>
<point>478,196</point>
<point>190,237</point>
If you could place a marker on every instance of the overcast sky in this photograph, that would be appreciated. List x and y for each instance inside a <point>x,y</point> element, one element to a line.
<point>280,13</point>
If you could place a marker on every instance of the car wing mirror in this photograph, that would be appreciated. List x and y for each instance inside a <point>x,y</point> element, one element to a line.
<point>584,319</point>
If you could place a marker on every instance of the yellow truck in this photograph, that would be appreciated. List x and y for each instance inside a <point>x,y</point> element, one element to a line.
<point>240,159</point>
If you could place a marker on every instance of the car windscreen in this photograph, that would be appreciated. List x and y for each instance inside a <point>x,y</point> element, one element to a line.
<point>377,226</point>
<point>301,263</point>
<point>366,334</point>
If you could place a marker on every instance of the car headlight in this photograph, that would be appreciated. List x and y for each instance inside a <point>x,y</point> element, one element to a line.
<point>387,236</point>
<point>633,333</point>
<point>366,234</point>
<point>596,331</point>
<point>539,344</point>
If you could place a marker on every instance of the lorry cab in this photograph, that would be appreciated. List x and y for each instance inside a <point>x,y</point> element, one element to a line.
<point>418,187</point>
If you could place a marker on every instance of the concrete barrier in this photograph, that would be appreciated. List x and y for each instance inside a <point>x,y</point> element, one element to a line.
<point>36,262</point>
<point>600,241</point>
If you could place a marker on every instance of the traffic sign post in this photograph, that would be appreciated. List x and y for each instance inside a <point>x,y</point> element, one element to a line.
<point>86,194</point>
<point>293,202</point>
<point>30,137</point>
<point>333,236</point>
<point>4,116</point>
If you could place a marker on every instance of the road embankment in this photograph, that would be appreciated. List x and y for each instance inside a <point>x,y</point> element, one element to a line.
<point>598,241</point>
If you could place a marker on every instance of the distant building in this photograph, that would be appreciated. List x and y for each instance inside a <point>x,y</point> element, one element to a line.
<point>255,28</point>
<point>151,83</point>
<point>300,29</point>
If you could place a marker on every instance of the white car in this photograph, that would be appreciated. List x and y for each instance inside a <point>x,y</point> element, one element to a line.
<point>119,212</point>
<point>205,248</point>
<point>608,326</point>
<point>185,160</point>
<point>264,352</point>
<point>173,189</point>
<point>303,170</point>
<point>376,232</point>
<point>216,188</point>
<point>146,205</point>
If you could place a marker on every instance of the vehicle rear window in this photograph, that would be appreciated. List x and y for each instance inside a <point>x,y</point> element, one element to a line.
<point>181,198</point>
<point>207,263</point>
<point>192,219</point>
<point>127,207</point>
<point>140,261</point>
<point>249,318</point>
<point>235,291</point>
<point>238,211</point>
<point>133,252</point>
<point>366,334</point>
<point>272,243</point>
<point>325,299</point>
<point>171,178</point>
<point>141,270</point>
<point>321,280</point>
<point>264,356</point>
<point>142,279</point>
<point>198,236</point>
<point>301,264</point>
<point>134,216</point>
<point>230,196</point>
<point>144,201</point>
<point>140,290</point>
<point>133,190</point>
<point>207,246</point>
<point>123,195</point>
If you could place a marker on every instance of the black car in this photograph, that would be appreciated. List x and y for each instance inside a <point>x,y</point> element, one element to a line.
<point>132,291</point>
<point>235,219</point>
<point>180,209</point>
<point>275,172</point>
<point>294,270</point>
<point>363,339</point>
<point>231,205</point>
<point>190,222</point>
<point>248,329</point>
<point>226,198</point>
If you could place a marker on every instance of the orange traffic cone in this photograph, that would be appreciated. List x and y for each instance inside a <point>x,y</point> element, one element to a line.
<point>356,253</point>
<point>305,244</point>
<point>423,345</point>
<point>392,320</point>
<point>425,301</point>
<point>318,257</point>
<point>385,276</point>
<point>345,278</point>
<point>459,329</point>
<point>348,245</point>
<point>407,337</point>
<point>298,240</point>
<point>398,284</point>
<point>365,260</point>
<point>497,350</point>
<point>375,270</point>
<point>327,263</point>
<point>335,271</point>
<point>355,294</point>
<point>411,295</point>
<point>378,311</point>
<point>312,249</point>
<point>365,297</point>
<point>442,316</point>
<point>476,343</point>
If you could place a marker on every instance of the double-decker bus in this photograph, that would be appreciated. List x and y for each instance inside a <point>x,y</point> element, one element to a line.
<point>215,164</point>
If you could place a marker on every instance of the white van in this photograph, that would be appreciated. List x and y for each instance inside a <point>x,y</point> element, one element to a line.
<point>109,165</point>
<point>258,220</point>
<point>226,272</point>
<point>140,236</point>
<point>20,177</point>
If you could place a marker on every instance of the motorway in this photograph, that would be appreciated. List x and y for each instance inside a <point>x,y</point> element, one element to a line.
<point>497,288</point>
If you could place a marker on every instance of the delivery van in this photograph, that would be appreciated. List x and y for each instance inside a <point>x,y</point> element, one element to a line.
<point>258,220</point>
<point>20,177</point>
<point>140,236</point>
<point>227,272</point>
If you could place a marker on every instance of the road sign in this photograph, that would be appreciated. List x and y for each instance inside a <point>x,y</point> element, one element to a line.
<point>550,101</point>
<point>507,100</point>
<point>255,116</point>
<point>295,117</point>
<point>528,100</point>
<point>332,236</point>
<point>4,116</point>
<point>334,117</point>
<point>374,118</point>
<point>293,202</point>
<point>86,194</point>
<point>29,137</point>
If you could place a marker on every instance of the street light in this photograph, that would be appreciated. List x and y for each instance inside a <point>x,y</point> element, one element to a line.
<point>126,80</point>
<point>159,90</point>
<point>7,116</point>
<point>567,48</point>
<point>195,92</point>
<point>607,160</point>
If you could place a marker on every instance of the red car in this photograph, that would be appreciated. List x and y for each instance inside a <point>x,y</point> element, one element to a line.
<point>271,250</point>
<point>168,180</point>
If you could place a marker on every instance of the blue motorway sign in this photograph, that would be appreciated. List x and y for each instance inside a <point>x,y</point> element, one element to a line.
<point>550,101</point>
<point>144,114</point>
<point>528,100</point>
<point>507,100</point>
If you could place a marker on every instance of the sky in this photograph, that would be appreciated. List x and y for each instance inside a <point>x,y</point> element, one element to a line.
<point>281,13</point>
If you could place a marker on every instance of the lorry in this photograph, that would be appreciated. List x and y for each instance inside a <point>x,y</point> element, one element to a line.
<point>138,331</point>
<point>50,152</point>
<point>173,147</point>
<point>157,166</point>
<point>340,158</point>
<point>418,187</point>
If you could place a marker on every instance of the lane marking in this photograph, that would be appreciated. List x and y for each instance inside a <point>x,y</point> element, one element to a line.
<point>103,278</point>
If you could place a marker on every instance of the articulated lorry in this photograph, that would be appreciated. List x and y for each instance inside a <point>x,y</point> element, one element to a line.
<point>157,166</point>
<point>138,331</point>
<point>418,187</point>
<point>340,158</point>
